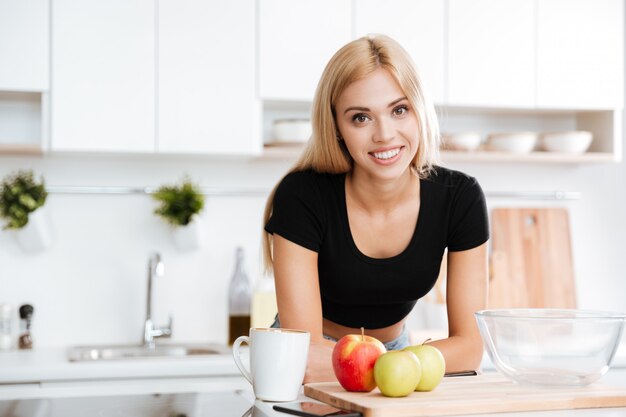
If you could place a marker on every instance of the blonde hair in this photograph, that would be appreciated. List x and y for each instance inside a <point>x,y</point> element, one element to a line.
<point>324,153</point>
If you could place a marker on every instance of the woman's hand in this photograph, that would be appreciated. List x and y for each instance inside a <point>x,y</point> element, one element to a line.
<point>320,367</point>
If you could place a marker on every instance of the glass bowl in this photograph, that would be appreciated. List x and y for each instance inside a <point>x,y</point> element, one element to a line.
<point>551,346</point>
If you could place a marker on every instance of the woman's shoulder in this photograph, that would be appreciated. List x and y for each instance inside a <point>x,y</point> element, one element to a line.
<point>450,177</point>
<point>308,179</point>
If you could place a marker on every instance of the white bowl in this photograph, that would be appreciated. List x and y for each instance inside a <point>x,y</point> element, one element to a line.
<point>462,141</point>
<point>567,142</point>
<point>291,130</point>
<point>516,142</point>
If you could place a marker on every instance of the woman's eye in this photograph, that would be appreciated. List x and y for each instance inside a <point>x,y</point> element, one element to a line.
<point>400,110</point>
<point>360,118</point>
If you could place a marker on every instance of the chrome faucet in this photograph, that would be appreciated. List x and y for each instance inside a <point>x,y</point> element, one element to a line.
<point>150,332</point>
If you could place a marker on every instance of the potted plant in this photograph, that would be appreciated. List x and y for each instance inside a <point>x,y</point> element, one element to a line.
<point>22,200</point>
<point>179,206</point>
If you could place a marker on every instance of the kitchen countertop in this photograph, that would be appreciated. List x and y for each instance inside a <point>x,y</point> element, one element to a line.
<point>51,364</point>
<point>137,398</point>
<point>59,378</point>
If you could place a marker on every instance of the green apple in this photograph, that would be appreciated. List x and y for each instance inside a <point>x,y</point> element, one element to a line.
<point>397,373</point>
<point>433,366</point>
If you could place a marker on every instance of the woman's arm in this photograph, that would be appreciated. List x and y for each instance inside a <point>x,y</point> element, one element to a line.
<point>466,293</point>
<point>299,303</point>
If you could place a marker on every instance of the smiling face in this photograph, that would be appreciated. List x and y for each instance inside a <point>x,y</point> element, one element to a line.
<point>378,125</point>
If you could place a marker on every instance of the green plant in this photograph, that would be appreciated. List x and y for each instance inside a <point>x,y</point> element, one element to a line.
<point>179,203</point>
<point>20,195</point>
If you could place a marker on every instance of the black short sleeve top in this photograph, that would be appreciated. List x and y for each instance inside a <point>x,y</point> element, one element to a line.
<point>309,209</point>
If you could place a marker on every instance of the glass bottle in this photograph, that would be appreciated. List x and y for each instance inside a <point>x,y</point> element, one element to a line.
<point>239,300</point>
<point>26,315</point>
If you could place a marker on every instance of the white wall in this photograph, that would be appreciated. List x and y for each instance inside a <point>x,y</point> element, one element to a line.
<point>89,287</point>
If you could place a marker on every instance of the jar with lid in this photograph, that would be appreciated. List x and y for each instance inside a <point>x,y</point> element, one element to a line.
<point>6,326</point>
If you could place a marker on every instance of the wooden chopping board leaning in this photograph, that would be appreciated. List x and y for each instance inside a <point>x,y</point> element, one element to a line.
<point>531,259</point>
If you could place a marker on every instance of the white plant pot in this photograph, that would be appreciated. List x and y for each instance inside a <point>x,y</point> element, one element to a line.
<point>37,235</point>
<point>187,238</point>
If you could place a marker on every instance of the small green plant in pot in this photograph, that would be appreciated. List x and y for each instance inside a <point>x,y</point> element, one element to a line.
<point>22,198</point>
<point>179,206</point>
<point>20,195</point>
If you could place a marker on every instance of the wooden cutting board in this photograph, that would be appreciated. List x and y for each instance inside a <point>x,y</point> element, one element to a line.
<point>469,395</point>
<point>531,259</point>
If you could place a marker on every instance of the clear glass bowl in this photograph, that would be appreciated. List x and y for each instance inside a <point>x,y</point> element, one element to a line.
<point>551,346</point>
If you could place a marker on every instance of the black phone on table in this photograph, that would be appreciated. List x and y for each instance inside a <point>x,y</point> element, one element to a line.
<point>311,409</point>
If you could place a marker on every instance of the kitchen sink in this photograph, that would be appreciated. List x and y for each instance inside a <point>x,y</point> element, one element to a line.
<point>115,352</point>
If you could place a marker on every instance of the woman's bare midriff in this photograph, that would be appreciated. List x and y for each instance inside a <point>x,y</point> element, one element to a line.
<point>385,334</point>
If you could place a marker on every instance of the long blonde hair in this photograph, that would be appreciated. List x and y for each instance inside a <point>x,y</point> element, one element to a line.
<point>324,153</point>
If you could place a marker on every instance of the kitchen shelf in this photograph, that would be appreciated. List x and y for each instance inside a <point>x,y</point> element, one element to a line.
<point>604,124</point>
<point>23,122</point>
<point>19,149</point>
<point>292,152</point>
<point>539,157</point>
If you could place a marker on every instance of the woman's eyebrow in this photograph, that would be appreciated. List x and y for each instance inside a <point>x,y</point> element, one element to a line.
<point>393,103</point>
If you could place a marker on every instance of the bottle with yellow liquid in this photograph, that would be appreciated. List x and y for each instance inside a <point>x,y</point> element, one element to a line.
<point>264,303</point>
<point>239,300</point>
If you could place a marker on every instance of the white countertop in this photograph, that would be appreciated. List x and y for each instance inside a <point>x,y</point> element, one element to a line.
<point>19,371</point>
<point>51,364</point>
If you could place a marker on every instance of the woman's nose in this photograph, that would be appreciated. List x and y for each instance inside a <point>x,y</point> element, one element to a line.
<point>384,130</point>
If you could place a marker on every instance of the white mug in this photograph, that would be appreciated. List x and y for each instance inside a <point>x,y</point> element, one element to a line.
<point>278,360</point>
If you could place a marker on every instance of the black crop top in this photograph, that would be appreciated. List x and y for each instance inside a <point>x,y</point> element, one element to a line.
<point>356,290</point>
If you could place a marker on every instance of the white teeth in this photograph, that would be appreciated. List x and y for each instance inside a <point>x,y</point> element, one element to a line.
<point>386,154</point>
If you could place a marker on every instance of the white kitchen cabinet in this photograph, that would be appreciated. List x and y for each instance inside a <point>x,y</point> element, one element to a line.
<point>491,53</point>
<point>206,95</point>
<point>419,26</point>
<point>103,75</point>
<point>296,40</point>
<point>24,45</point>
<point>580,53</point>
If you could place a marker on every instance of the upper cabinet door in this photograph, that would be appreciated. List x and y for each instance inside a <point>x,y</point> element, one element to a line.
<point>419,26</point>
<point>580,57</point>
<point>103,75</point>
<point>297,39</point>
<point>206,77</point>
<point>24,45</point>
<point>491,56</point>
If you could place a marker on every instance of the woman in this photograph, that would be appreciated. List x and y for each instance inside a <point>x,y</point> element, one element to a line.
<point>355,233</point>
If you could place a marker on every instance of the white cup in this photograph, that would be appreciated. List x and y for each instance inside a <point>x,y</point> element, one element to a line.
<point>278,360</point>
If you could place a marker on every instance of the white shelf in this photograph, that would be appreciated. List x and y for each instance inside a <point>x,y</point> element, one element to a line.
<point>293,151</point>
<point>532,157</point>
<point>23,122</point>
<point>20,149</point>
<point>605,126</point>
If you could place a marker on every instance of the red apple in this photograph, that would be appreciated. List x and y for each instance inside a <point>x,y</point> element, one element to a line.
<point>354,357</point>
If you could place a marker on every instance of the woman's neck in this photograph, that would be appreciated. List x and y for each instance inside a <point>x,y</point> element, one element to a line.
<point>381,196</point>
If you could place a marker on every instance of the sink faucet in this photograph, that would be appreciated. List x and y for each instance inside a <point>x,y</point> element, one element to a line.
<point>151,332</point>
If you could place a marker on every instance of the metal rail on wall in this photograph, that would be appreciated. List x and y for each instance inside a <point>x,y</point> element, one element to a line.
<point>236,191</point>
